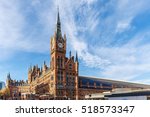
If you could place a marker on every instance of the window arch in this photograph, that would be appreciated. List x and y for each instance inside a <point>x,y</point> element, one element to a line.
<point>70,66</point>
<point>60,61</point>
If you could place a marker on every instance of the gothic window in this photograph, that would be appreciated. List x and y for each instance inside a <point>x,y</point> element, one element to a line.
<point>70,80</point>
<point>52,85</point>
<point>73,81</point>
<point>60,78</point>
<point>70,66</point>
<point>52,78</point>
<point>67,79</point>
<point>52,63</point>
<point>58,62</point>
<point>61,62</point>
<point>71,93</point>
<point>60,93</point>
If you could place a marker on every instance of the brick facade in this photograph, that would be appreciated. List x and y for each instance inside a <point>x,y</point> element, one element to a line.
<point>61,80</point>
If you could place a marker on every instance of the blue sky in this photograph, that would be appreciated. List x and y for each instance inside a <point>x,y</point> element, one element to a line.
<point>112,37</point>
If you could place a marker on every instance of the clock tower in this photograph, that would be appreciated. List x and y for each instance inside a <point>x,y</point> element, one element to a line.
<point>58,55</point>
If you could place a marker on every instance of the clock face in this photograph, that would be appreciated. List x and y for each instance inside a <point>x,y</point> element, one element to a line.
<point>60,45</point>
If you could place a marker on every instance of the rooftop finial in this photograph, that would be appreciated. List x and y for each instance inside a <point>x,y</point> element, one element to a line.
<point>76,57</point>
<point>70,54</point>
<point>8,76</point>
<point>58,18</point>
<point>30,68</point>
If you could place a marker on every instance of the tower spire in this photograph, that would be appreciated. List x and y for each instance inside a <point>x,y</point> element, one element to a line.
<point>58,26</point>
<point>76,57</point>
<point>70,54</point>
<point>8,76</point>
<point>58,18</point>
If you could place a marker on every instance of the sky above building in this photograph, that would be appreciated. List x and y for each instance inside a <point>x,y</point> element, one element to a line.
<point>112,37</point>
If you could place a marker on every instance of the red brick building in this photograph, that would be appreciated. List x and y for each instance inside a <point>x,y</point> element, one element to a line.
<point>61,80</point>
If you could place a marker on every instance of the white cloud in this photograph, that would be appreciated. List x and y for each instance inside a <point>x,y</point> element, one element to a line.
<point>128,61</point>
<point>10,24</point>
<point>123,26</point>
<point>127,10</point>
<point>10,28</point>
<point>117,17</point>
<point>17,32</point>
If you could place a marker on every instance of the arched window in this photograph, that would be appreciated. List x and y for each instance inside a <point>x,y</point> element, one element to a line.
<point>70,66</point>
<point>60,77</point>
<point>52,63</point>
<point>58,62</point>
<point>52,78</point>
<point>61,62</point>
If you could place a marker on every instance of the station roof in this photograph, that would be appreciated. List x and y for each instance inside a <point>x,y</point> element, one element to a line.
<point>109,83</point>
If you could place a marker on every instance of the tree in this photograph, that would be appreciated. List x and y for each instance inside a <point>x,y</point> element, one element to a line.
<point>5,93</point>
<point>1,94</point>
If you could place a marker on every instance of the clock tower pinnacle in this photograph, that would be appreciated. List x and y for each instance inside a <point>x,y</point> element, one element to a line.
<point>58,27</point>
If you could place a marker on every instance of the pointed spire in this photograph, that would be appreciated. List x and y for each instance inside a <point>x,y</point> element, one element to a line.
<point>45,66</point>
<point>41,69</point>
<point>44,63</point>
<point>58,26</point>
<point>76,57</point>
<point>8,76</point>
<point>58,18</point>
<point>70,54</point>
<point>30,69</point>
